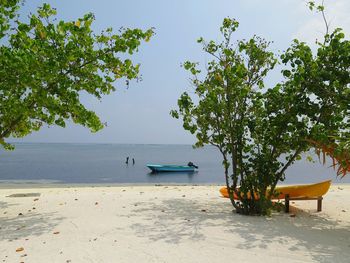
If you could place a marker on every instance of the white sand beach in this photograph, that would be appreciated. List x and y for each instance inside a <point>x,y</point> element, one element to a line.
<point>166,224</point>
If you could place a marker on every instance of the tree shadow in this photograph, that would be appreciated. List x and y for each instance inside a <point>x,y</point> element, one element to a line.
<point>175,220</point>
<point>25,225</point>
<point>4,205</point>
<point>325,240</point>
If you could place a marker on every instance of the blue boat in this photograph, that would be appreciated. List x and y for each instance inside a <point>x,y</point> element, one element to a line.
<point>170,168</point>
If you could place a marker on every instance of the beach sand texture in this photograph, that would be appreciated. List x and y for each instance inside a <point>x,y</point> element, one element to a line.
<point>166,224</point>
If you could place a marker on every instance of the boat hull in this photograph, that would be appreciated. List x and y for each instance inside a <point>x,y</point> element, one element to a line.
<point>170,168</point>
<point>294,191</point>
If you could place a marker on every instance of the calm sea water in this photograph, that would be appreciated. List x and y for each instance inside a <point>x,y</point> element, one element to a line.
<point>105,163</point>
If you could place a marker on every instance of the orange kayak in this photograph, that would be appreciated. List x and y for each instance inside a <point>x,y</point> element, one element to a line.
<point>295,191</point>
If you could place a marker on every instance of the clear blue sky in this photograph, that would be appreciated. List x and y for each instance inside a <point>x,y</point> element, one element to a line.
<point>141,113</point>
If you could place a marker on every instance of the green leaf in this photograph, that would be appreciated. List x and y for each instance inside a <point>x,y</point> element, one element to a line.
<point>53,62</point>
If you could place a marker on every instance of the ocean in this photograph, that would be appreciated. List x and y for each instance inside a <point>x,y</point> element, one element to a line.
<point>66,163</point>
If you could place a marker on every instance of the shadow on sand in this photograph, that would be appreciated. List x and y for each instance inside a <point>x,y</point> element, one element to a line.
<point>23,226</point>
<point>178,219</point>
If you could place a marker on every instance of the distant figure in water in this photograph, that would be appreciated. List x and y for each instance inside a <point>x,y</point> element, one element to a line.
<point>191,164</point>
<point>133,161</point>
<point>127,160</point>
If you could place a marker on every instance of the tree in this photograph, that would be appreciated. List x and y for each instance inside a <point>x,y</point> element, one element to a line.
<point>45,66</point>
<point>8,10</point>
<point>261,131</point>
<point>336,145</point>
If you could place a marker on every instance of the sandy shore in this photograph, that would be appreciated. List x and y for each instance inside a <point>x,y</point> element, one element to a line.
<point>166,224</point>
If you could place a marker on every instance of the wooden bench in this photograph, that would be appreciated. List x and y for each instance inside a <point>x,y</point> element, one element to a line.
<point>318,198</point>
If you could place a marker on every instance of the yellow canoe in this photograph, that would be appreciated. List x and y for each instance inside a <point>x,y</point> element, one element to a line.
<point>295,191</point>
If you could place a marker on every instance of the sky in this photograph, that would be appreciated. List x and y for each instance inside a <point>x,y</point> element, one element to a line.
<point>140,114</point>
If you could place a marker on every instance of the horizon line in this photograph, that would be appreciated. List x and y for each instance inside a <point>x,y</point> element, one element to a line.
<point>120,143</point>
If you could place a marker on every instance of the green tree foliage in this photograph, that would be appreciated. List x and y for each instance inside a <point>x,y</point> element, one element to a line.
<point>45,66</point>
<point>321,85</point>
<point>8,10</point>
<point>336,144</point>
<point>261,131</point>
